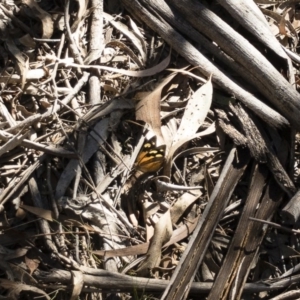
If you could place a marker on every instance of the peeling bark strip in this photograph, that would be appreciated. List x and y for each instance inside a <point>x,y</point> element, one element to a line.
<point>253,136</point>
<point>261,148</point>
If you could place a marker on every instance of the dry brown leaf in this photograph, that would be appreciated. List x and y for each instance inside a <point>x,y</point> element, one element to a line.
<point>16,288</point>
<point>149,209</point>
<point>193,117</point>
<point>162,234</point>
<point>140,36</point>
<point>42,16</point>
<point>40,212</point>
<point>21,110</point>
<point>21,62</point>
<point>182,203</point>
<point>148,110</point>
<point>282,23</point>
<point>32,264</point>
<point>116,43</point>
<point>195,112</point>
<point>178,235</point>
<point>285,27</point>
<point>170,158</point>
<point>27,41</point>
<point>81,12</point>
<point>136,41</point>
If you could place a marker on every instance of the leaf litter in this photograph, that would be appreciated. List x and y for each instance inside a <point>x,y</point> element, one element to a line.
<point>73,201</point>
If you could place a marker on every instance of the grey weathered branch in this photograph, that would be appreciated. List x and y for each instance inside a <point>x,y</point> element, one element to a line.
<point>268,80</point>
<point>193,56</point>
<point>184,273</point>
<point>108,281</point>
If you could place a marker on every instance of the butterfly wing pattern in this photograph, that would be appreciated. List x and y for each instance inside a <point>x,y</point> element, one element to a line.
<point>151,157</point>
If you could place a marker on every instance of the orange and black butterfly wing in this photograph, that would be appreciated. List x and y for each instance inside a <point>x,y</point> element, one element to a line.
<point>151,158</point>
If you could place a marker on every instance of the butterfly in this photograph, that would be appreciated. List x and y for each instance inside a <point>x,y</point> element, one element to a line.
<point>151,157</point>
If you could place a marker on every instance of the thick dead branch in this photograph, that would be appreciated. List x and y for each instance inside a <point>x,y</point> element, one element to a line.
<point>108,281</point>
<point>174,18</point>
<point>236,253</point>
<point>257,231</point>
<point>183,276</point>
<point>193,56</point>
<point>250,16</point>
<point>268,80</point>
